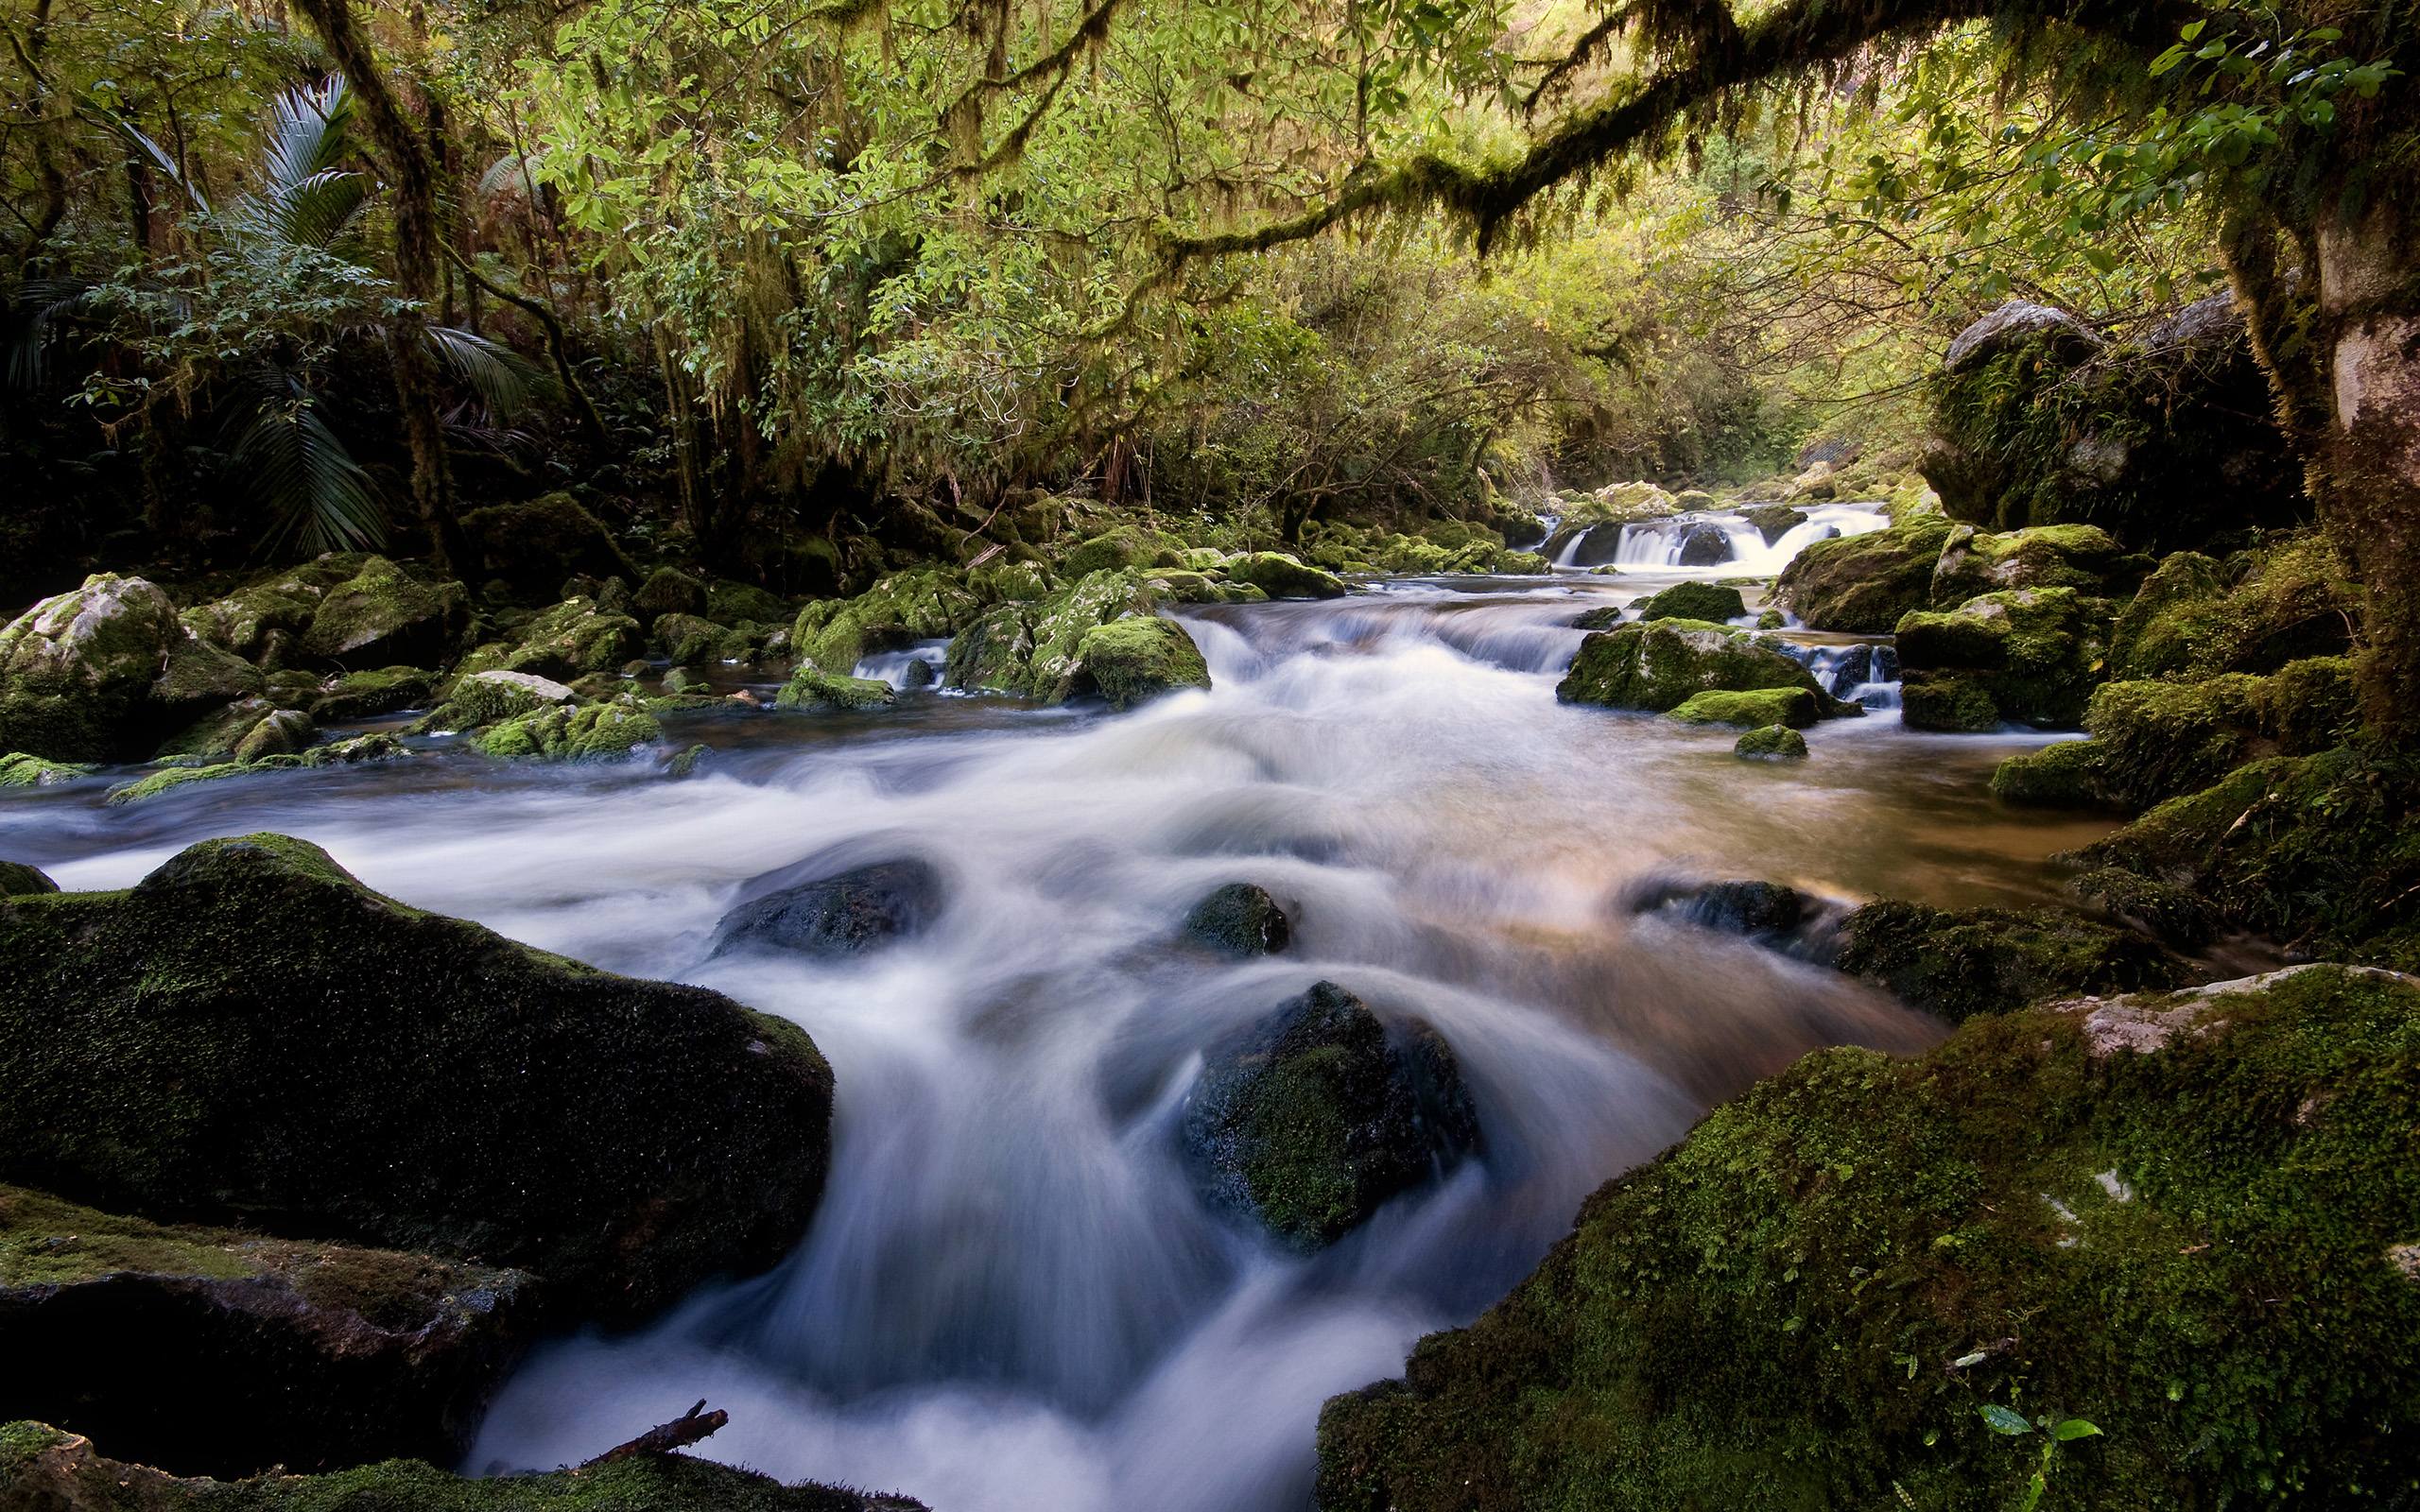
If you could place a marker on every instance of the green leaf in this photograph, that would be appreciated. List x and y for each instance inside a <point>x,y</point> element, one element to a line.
<point>2074,1428</point>
<point>2000,1419</point>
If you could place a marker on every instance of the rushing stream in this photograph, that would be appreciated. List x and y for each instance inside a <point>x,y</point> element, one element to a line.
<point>1012,1297</point>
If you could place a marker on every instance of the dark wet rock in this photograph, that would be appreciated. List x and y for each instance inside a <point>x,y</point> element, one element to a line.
<point>1805,1302</point>
<point>1702,546</point>
<point>1758,909</point>
<point>1774,521</point>
<point>1316,1114</point>
<point>1863,584</point>
<point>834,914</point>
<point>20,879</point>
<point>918,674</point>
<point>533,546</point>
<point>252,1351</point>
<point>1662,664</point>
<point>251,1035</point>
<point>46,1470</point>
<point>1962,962</point>
<point>1240,919</point>
<point>368,695</point>
<point>1862,664</point>
<point>688,640</point>
<point>382,616</point>
<point>669,591</point>
<point>1693,601</point>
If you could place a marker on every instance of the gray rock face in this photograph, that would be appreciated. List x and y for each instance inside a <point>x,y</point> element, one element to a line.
<point>834,914</point>
<point>2011,323</point>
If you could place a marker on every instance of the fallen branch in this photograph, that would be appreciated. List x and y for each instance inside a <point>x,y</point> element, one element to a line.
<point>664,1438</point>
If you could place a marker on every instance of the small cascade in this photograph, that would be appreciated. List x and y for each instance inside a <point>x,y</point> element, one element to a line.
<point>1724,542</point>
<point>915,667</point>
<point>1863,674</point>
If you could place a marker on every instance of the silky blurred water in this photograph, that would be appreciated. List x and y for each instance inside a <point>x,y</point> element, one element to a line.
<point>1012,1297</point>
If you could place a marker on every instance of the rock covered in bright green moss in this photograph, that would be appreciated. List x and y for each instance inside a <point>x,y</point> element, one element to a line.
<point>810,689</point>
<point>2037,653</point>
<point>1962,962</point>
<point>2291,599</point>
<point>382,616</point>
<point>669,591</point>
<point>1754,709</point>
<point>254,1351</point>
<point>536,544</point>
<point>687,641</point>
<point>2081,1211</point>
<point>356,695</point>
<point>570,733</point>
<point>23,769</point>
<point>2063,776</point>
<point>1036,649</point>
<point>1312,1117</point>
<point>249,1032</point>
<point>216,733</point>
<point>284,732</point>
<point>18,879</point>
<point>1139,658</point>
<point>1863,584</point>
<point>491,697</point>
<point>731,603</point>
<point>1661,664</point>
<point>106,671</point>
<point>1773,520</point>
<point>2084,557</point>
<point>2173,915</point>
<point>1240,919</point>
<point>1282,575</point>
<point>569,641</point>
<point>1120,548</point>
<point>44,1468</point>
<point>2173,616</point>
<point>1771,743</point>
<point>170,778</point>
<point>835,635</point>
<point>261,618</point>
<point>1692,601</point>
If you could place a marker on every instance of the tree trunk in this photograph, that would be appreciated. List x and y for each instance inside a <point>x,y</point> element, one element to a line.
<point>417,265</point>
<point>2366,460</point>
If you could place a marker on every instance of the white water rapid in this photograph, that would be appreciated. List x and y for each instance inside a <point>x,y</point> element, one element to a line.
<point>1012,1297</point>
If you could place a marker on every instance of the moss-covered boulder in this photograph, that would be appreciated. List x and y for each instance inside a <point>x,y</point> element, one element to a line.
<point>1309,1119</point>
<point>2084,557</point>
<point>2085,1210</point>
<point>357,695</point>
<point>811,909</point>
<point>2291,599</point>
<point>2037,653</point>
<point>234,1351</point>
<point>810,689</point>
<point>264,619</point>
<point>491,698</point>
<point>1863,584</point>
<point>834,635</point>
<point>1756,709</point>
<point>687,639</point>
<point>1692,601</point>
<point>46,1470</point>
<point>283,733</point>
<point>537,545</point>
<point>106,672</point>
<point>669,590</point>
<point>1662,664</point>
<point>1771,743</point>
<point>1114,550</point>
<point>1962,962</point>
<point>248,1034</point>
<point>2063,776</point>
<point>1036,649</point>
<point>1139,658</point>
<point>23,769</point>
<point>20,879</point>
<point>1241,920</point>
<point>2311,850</point>
<point>383,616</point>
<point>570,641</point>
<point>216,734</point>
<point>570,733</point>
<point>1281,575</point>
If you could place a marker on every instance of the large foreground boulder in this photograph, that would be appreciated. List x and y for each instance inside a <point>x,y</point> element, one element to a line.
<point>1863,584</point>
<point>224,1352</point>
<point>45,1469</point>
<point>2189,1220</point>
<point>1662,664</point>
<point>1314,1116</point>
<point>106,672</point>
<point>251,1035</point>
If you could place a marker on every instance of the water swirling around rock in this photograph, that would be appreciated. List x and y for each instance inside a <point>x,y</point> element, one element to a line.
<point>1013,1296</point>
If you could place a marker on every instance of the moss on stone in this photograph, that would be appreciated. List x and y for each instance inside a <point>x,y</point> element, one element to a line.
<point>250,1032</point>
<point>1795,708</point>
<point>1693,601</point>
<point>569,641</point>
<point>169,778</point>
<point>1240,919</point>
<point>1139,658</point>
<point>835,635</point>
<point>810,689</point>
<point>1863,584</point>
<point>382,615</point>
<point>2157,740</point>
<point>2064,775</point>
<point>2288,600</point>
<point>1962,962</point>
<point>535,545</point>
<point>687,641</point>
<point>106,671</point>
<point>1771,743</point>
<point>23,769</point>
<point>1123,547</point>
<point>1806,1303</point>
<point>2037,653</point>
<point>1281,575</point>
<point>1661,664</point>
<point>670,590</point>
<point>491,697</point>
<point>357,695</point>
<point>2084,557</point>
<point>20,879</point>
<point>565,732</point>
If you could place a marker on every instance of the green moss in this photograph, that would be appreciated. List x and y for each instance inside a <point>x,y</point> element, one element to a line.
<point>1280,576</point>
<point>1118,549</point>
<point>562,733</point>
<point>2084,557</point>
<point>382,616</point>
<point>21,769</point>
<point>687,641</point>
<point>1662,664</point>
<point>573,639</point>
<point>1795,708</point>
<point>1771,743</point>
<point>2157,740</point>
<point>670,590</point>
<point>1139,658</point>
<point>1693,601</point>
<point>2036,653</point>
<point>2067,775</point>
<point>1240,919</point>
<point>20,879</point>
<point>810,689</point>
<point>2291,599</point>
<point>105,672</point>
<point>835,635</point>
<point>249,1032</point>
<point>174,777</point>
<point>1864,584</point>
<point>536,545</point>
<point>2171,620</point>
<point>1962,962</point>
<point>357,696</point>
<point>491,696</point>
<point>1805,1302</point>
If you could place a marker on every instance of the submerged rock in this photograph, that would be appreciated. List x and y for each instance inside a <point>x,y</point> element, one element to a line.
<point>1139,658</point>
<point>1959,963</point>
<point>1316,1115</point>
<point>1240,919</point>
<point>105,672</point>
<point>2081,1211</point>
<point>252,1351</point>
<point>299,1052</point>
<point>857,910</point>
<point>1662,664</point>
<point>1864,584</point>
<point>41,1466</point>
